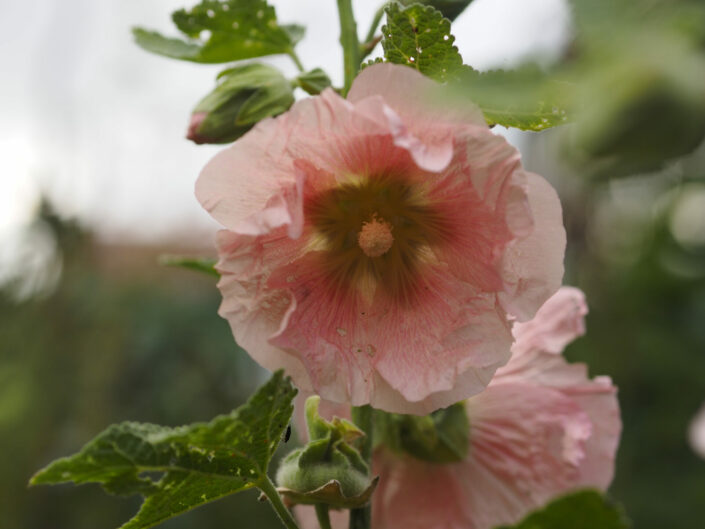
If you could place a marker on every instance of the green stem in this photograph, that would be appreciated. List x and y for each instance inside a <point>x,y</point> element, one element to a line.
<point>349,41</point>
<point>362,418</point>
<point>269,490</point>
<point>297,61</point>
<point>323,516</point>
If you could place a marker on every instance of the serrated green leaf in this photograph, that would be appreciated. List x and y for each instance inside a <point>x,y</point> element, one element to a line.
<point>525,98</point>
<point>196,464</point>
<point>586,509</point>
<point>199,264</point>
<point>450,8</point>
<point>419,36</point>
<point>223,31</point>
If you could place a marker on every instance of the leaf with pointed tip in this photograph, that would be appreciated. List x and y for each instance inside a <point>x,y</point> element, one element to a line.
<point>223,31</point>
<point>419,36</point>
<point>197,464</point>
<point>587,509</point>
<point>199,264</point>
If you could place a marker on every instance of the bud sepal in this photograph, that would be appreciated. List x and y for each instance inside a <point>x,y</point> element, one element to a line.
<point>328,470</point>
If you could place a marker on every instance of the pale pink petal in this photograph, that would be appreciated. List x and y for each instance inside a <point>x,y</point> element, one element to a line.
<point>413,494</point>
<point>557,323</point>
<point>533,265</point>
<point>255,313</point>
<point>413,96</point>
<point>420,122</point>
<point>528,443</point>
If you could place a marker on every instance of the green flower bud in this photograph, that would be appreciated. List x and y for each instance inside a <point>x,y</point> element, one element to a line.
<point>442,437</point>
<point>328,469</point>
<point>243,96</point>
<point>314,82</point>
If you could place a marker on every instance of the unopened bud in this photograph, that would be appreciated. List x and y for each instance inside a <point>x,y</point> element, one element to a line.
<point>243,96</point>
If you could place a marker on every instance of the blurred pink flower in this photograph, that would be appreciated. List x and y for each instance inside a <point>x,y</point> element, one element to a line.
<point>696,433</point>
<point>541,429</point>
<point>377,247</point>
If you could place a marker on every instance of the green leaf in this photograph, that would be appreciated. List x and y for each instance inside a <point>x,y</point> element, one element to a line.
<point>199,264</point>
<point>525,98</point>
<point>582,510</point>
<point>196,464</point>
<point>450,8</point>
<point>419,36</point>
<point>223,31</point>
<point>314,82</point>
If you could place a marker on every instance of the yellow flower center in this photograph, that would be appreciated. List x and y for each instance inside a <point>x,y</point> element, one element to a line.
<point>376,233</point>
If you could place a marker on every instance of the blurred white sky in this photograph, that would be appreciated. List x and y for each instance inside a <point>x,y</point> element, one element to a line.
<point>99,124</point>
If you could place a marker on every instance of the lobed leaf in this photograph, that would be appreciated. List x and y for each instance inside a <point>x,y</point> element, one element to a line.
<point>196,464</point>
<point>222,31</point>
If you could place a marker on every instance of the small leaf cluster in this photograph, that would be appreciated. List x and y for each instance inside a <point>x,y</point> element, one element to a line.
<point>222,31</point>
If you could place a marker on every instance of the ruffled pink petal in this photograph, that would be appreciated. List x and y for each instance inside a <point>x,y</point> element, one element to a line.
<point>413,96</point>
<point>417,121</point>
<point>533,265</point>
<point>449,330</point>
<point>254,312</point>
<point>557,323</point>
<point>527,445</point>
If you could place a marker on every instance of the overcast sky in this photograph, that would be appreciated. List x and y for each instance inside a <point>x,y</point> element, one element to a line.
<point>100,124</point>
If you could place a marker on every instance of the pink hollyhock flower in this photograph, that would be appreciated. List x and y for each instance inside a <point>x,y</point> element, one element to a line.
<point>377,247</point>
<point>541,429</point>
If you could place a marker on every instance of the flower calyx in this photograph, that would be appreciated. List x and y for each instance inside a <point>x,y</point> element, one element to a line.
<point>441,437</point>
<point>328,470</point>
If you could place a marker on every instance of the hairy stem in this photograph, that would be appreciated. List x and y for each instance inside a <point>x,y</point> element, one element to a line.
<point>349,41</point>
<point>362,417</point>
<point>269,490</point>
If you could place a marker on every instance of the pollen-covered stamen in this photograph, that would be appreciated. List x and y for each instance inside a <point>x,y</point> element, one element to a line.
<point>375,237</point>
